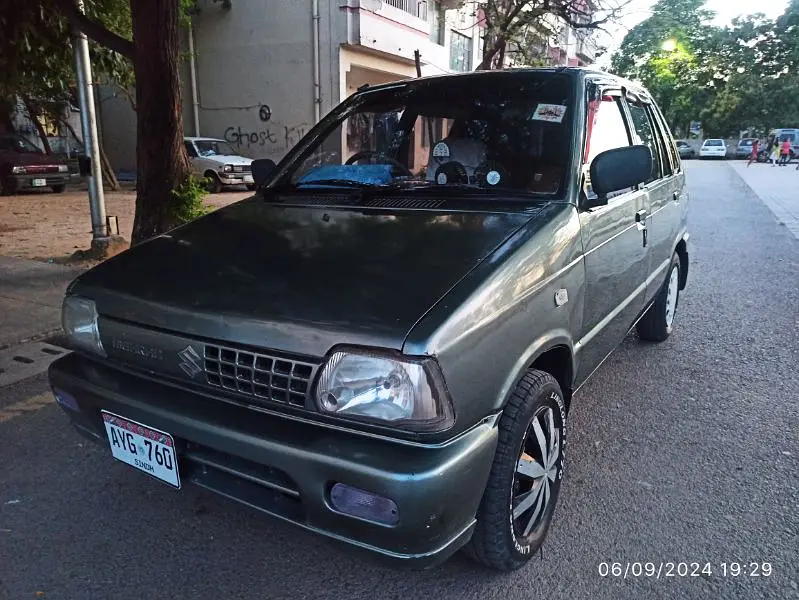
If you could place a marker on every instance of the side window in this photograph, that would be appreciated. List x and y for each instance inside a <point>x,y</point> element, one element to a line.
<point>606,130</point>
<point>667,138</point>
<point>190,149</point>
<point>645,131</point>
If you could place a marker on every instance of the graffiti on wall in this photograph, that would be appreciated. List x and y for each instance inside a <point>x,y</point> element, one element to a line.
<point>282,138</point>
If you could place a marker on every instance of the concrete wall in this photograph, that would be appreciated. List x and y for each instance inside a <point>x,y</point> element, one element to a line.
<point>117,128</point>
<point>255,71</point>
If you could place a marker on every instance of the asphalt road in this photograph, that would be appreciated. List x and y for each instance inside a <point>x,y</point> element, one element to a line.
<point>685,451</point>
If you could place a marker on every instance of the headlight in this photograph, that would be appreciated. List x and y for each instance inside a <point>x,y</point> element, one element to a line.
<point>63,169</point>
<point>227,168</point>
<point>79,319</point>
<point>406,393</point>
<point>19,170</point>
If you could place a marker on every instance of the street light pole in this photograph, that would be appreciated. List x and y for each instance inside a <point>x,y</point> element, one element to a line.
<point>91,144</point>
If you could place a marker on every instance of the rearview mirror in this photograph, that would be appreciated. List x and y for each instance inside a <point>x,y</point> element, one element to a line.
<point>620,168</point>
<point>262,168</point>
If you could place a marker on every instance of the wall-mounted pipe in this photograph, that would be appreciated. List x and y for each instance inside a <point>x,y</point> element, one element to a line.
<point>317,85</point>
<point>195,100</point>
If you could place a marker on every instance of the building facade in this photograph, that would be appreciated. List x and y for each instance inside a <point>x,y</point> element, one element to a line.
<point>264,71</point>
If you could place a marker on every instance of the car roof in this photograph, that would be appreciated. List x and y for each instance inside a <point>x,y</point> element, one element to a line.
<point>589,73</point>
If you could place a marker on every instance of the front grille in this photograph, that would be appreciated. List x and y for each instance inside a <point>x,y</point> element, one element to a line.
<point>36,169</point>
<point>268,377</point>
<point>242,169</point>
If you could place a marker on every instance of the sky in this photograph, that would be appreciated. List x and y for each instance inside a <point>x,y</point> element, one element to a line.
<point>726,11</point>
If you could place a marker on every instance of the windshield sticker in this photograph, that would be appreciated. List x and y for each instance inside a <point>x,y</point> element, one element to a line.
<point>493,178</point>
<point>441,150</point>
<point>551,113</point>
<point>441,178</point>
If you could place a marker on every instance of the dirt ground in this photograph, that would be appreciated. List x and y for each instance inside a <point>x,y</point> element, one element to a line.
<point>51,227</point>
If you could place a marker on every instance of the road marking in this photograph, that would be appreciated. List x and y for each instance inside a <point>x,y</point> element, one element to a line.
<point>26,406</point>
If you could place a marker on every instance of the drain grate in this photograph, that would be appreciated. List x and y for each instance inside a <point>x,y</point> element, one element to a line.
<point>27,360</point>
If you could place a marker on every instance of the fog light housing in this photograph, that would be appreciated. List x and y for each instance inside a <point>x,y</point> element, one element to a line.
<point>361,504</point>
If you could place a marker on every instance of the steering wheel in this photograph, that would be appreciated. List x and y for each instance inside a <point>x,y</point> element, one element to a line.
<point>359,156</point>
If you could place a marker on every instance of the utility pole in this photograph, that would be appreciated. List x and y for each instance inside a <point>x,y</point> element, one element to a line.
<point>91,143</point>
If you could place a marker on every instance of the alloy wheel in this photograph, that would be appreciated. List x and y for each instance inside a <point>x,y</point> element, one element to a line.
<point>537,478</point>
<point>671,296</point>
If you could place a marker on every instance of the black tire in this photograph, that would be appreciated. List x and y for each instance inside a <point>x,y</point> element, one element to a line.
<point>655,326</point>
<point>497,541</point>
<point>58,189</point>
<point>251,187</point>
<point>214,186</point>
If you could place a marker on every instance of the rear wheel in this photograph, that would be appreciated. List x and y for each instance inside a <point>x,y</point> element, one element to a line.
<point>656,325</point>
<point>523,487</point>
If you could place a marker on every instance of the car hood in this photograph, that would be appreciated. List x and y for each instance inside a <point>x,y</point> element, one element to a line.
<point>228,159</point>
<point>29,158</point>
<point>297,279</point>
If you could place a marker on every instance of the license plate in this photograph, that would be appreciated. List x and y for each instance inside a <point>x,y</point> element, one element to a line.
<point>39,182</point>
<point>248,179</point>
<point>143,448</point>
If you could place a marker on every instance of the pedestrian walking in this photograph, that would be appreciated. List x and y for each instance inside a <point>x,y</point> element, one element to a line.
<point>774,155</point>
<point>785,152</point>
<point>755,149</point>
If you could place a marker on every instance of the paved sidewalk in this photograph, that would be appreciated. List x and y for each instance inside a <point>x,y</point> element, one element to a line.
<point>777,187</point>
<point>30,298</point>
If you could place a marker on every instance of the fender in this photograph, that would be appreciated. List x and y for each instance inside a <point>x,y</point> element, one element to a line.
<point>550,340</point>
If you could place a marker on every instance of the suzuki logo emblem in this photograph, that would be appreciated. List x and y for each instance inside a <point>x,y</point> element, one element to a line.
<point>190,362</point>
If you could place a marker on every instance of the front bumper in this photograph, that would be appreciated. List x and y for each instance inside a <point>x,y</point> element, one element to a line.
<point>236,179</point>
<point>286,467</point>
<point>37,181</point>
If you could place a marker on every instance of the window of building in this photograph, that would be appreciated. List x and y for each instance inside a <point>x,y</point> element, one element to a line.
<point>437,19</point>
<point>460,52</point>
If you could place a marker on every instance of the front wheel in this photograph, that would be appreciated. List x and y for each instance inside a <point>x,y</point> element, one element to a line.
<point>213,185</point>
<point>58,189</point>
<point>522,491</point>
<point>657,323</point>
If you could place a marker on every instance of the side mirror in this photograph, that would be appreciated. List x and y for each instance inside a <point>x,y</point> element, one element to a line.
<point>620,168</point>
<point>262,168</point>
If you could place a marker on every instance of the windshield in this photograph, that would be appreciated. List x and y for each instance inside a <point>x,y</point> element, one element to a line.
<point>214,148</point>
<point>17,143</point>
<point>511,132</point>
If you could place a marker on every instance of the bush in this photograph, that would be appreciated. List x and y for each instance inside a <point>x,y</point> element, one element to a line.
<point>187,201</point>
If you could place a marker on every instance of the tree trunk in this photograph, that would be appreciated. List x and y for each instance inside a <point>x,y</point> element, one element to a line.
<point>162,162</point>
<point>33,115</point>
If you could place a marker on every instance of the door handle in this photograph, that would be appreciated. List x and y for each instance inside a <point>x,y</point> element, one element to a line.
<point>677,196</point>
<point>640,217</point>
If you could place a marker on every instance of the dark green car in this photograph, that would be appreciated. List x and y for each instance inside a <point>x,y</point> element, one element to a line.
<point>382,345</point>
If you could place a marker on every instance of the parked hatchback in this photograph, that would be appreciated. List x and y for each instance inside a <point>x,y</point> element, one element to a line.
<point>382,345</point>
<point>744,148</point>
<point>685,150</point>
<point>713,148</point>
<point>24,167</point>
<point>218,163</point>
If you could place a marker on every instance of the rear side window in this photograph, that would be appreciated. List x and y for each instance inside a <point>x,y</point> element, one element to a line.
<point>645,131</point>
<point>671,157</point>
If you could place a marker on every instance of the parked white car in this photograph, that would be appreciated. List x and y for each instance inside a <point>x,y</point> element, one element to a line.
<point>713,148</point>
<point>217,161</point>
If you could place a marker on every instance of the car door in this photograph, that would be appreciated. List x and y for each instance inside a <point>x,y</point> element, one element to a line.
<point>191,150</point>
<point>664,187</point>
<point>616,256</point>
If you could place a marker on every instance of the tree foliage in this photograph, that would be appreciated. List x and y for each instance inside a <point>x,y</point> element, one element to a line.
<point>734,78</point>
<point>520,28</point>
<point>37,61</point>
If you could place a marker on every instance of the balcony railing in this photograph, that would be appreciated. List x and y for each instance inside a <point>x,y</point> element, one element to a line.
<point>417,8</point>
